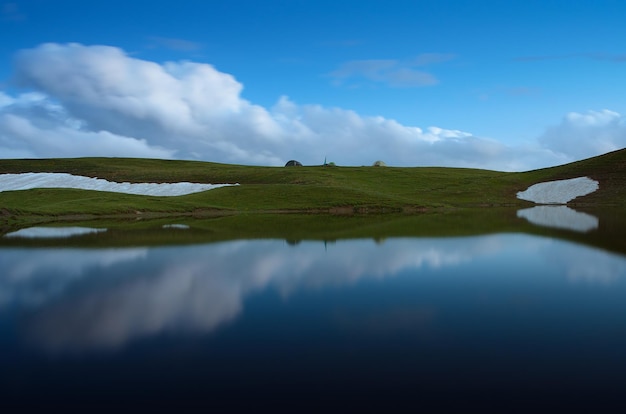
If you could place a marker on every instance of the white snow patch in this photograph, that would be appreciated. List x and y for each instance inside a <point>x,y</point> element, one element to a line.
<point>560,217</point>
<point>52,232</point>
<point>559,192</point>
<point>27,181</point>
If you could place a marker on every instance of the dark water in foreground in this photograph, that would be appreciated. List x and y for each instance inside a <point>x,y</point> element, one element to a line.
<point>501,321</point>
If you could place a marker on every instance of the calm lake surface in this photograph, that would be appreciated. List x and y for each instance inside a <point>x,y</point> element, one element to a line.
<point>501,319</point>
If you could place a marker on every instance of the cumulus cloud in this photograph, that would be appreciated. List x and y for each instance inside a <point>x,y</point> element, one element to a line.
<point>5,100</point>
<point>581,135</point>
<point>182,109</point>
<point>99,101</point>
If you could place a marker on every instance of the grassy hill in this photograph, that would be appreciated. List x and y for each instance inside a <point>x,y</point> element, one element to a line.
<point>314,189</point>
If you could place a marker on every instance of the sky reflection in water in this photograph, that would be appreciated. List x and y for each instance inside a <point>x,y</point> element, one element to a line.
<point>89,299</point>
<point>432,322</point>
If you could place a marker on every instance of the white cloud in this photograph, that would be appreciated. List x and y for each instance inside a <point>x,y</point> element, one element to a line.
<point>587,134</point>
<point>27,140</point>
<point>5,100</point>
<point>99,101</point>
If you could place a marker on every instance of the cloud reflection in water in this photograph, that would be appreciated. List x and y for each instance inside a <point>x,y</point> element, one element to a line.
<point>103,299</point>
<point>35,277</point>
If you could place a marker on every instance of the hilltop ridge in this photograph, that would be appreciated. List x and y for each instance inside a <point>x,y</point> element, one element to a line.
<point>310,189</point>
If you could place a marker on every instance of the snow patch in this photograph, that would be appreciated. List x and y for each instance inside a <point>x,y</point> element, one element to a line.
<point>27,181</point>
<point>559,192</point>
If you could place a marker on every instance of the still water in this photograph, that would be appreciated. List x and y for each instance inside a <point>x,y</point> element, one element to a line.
<point>506,319</point>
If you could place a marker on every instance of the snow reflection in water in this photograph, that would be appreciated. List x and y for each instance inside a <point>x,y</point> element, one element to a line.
<point>560,217</point>
<point>52,232</point>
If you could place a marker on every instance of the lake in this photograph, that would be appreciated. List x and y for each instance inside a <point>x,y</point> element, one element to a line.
<point>508,309</point>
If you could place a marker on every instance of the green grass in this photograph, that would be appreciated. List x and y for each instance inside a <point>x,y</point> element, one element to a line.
<point>297,189</point>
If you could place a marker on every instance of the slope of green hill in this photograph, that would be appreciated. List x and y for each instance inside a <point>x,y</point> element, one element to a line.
<point>315,189</point>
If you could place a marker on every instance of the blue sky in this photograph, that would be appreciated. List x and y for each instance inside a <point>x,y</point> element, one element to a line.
<point>509,85</point>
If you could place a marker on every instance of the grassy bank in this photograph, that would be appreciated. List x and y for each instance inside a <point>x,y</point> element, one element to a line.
<point>315,189</point>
